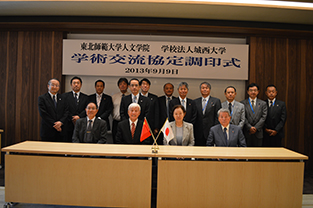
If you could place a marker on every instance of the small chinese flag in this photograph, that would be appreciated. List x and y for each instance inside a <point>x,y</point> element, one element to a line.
<point>145,132</point>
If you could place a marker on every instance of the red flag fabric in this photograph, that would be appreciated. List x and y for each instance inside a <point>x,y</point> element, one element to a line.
<point>145,132</point>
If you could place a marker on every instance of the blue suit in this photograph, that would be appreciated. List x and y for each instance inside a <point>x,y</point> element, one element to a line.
<point>236,137</point>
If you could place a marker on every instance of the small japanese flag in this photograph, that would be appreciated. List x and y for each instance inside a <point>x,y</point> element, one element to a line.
<point>167,131</point>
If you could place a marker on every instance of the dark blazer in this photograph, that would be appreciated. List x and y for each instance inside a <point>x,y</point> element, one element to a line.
<point>163,109</point>
<point>105,108</point>
<point>154,112</point>
<point>276,117</point>
<point>49,115</point>
<point>74,110</point>
<point>236,137</point>
<point>191,111</point>
<point>98,132</point>
<point>123,134</point>
<point>205,122</point>
<point>142,101</point>
<point>256,119</point>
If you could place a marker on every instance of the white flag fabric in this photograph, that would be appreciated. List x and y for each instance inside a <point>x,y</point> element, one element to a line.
<point>167,131</point>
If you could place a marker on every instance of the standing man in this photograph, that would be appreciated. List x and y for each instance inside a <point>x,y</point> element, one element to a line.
<point>226,134</point>
<point>236,109</point>
<point>90,129</point>
<point>53,111</point>
<point>77,102</point>
<point>189,105</point>
<point>134,97</point>
<point>122,84</point>
<point>103,101</point>
<point>275,120</point>
<point>207,107</point>
<point>154,113</point>
<point>129,130</point>
<point>164,102</point>
<point>255,112</point>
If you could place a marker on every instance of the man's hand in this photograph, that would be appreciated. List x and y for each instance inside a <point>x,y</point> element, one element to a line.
<point>252,130</point>
<point>57,125</point>
<point>75,118</point>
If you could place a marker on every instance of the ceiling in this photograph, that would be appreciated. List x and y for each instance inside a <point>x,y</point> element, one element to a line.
<point>198,9</point>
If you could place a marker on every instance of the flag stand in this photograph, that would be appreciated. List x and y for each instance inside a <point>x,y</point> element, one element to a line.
<point>155,146</point>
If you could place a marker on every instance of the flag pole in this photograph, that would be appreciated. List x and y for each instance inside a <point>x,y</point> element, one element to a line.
<point>155,146</point>
<point>161,130</point>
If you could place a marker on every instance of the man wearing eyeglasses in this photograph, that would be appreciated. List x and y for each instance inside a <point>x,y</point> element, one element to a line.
<point>54,112</point>
<point>90,129</point>
<point>255,113</point>
<point>134,97</point>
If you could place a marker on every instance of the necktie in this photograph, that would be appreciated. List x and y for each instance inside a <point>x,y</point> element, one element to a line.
<point>123,95</point>
<point>98,100</point>
<point>183,103</point>
<point>135,99</point>
<point>252,101</point>
<point>167,106</point>
<point>225,135</point>
<point>54,101</point>
<point>88,138</point>
<point>76,98</point>
<point>271,103</point>
<point>133,130</point>
<point>203,105</point>
<point>229,107</point>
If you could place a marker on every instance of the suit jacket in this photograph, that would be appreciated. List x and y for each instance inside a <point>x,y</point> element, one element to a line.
<point>163,109</point>
<point>49,115</point>
<point>276,117</point>
<point>206,121</point>
<point>123,134</point>
<point>236,137</point>
<point>154,112</point>
<point>98,132</point>
<point>256,119</point>
<point>238,115</point>
<point>142,101</point>
<point>105,108</point>
<point>188,138</point>
<point>74,110</point>
<point>191,112</point>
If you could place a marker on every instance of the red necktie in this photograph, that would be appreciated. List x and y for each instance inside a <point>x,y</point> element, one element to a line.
<point>133,130</point>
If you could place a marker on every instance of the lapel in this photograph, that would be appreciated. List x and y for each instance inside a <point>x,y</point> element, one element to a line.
<point>173,141</point>
<point>208,106</point>
<point>231,133</point>
<point>185,130</point>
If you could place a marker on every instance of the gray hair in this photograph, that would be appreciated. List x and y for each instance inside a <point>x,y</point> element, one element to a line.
<point>206,83</point>
<point>133,105</point>
<point>223,110</point>
<point>181,84</point>
<point>49,82</point>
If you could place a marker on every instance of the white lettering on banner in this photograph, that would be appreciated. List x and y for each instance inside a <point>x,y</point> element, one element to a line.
<point>155,59</point>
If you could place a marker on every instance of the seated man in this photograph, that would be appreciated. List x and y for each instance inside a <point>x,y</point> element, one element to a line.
<point>225,134</point>
<point>129,130</point>
<point>90,129</point>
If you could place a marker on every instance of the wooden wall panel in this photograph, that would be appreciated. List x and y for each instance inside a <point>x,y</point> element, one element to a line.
<point>287,63</point>
<point>28,60</point>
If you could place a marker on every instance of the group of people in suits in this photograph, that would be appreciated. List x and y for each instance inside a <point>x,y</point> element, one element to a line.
<point>205,121</point>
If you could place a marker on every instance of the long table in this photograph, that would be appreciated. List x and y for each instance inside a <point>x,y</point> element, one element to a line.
<point>80,175</point>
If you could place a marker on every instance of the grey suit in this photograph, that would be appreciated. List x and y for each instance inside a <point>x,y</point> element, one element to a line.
<point>235,137</point>
<point>237,114</point>
<point>99,131</point>
<point>256,120</point>
<point>188,138</point>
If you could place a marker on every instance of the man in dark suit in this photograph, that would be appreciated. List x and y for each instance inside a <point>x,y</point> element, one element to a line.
<point>275,120</point>
<point>53,111</point>
<point>154,113</point>
<point>103,101</point>
<point>207,107</point>
<point>134,97</point>
<point>189,105</point>
<point>164,102</point>
<point>129,130</point>
<point>77,102</point>
<point>90,129</point>
<point>255,112</point>
<point>225,134</point>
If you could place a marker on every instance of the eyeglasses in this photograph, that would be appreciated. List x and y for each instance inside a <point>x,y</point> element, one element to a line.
<point>134,85</point>
<point>91,108</point>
